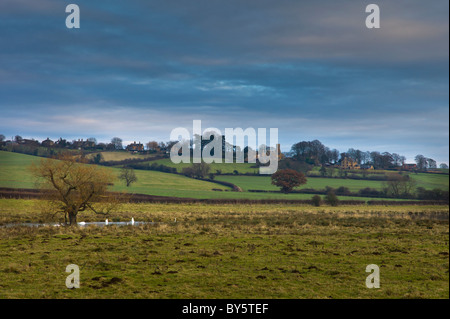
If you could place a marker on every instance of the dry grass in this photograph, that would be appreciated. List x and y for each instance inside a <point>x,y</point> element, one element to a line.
<point>230,251</point>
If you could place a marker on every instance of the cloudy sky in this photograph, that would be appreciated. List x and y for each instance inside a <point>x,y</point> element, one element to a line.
<point>138,69</point>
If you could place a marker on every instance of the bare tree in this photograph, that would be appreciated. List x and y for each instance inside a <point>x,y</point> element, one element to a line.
<point>421,162</point>
<point>74,187</point>
<point>128,176</point>
<point>431,163</point>
<point>399,185</point>
<point>397,159</point>
<point>18,138</point>
<point>117,142</point>
<point>402,159</point>
<point>152,146</point>
<point>197,170</point>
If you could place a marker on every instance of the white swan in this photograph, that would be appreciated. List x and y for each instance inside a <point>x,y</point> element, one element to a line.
<point>132,221</point>
<point>82,223</point>
<point>106,222</point>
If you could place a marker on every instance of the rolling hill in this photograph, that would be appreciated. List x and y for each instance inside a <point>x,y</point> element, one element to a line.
<point>14,173</point>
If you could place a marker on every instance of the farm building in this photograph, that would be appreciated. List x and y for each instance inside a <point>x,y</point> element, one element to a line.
<point>135,147</point>
<point>31,142</point>
<point>348,163</point>
<point>47,143</point>
<point>409,167</point>
<point>81,144</point>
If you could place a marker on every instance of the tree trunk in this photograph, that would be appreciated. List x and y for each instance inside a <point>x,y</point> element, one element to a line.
<point>72,219</point>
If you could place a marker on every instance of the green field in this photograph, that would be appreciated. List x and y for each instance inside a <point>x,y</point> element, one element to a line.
<point>264,183</point>
<point>229,251</point>
<point>14,173</point>
<point>428,181</point>
<point>14,170</point>
<point>120,156</point>
<point>224,168</point>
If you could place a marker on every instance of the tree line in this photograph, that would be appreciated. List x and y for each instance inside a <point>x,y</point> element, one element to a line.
<point>316,153</point>
<point>308,152</point>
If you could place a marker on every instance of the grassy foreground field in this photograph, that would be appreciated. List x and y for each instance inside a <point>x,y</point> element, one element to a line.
<point>230,251</point>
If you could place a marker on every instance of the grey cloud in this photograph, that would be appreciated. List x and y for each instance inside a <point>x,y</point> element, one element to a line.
<point>309,67</point>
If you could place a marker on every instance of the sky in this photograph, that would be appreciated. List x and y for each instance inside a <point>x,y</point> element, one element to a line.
<point>312,69</point>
